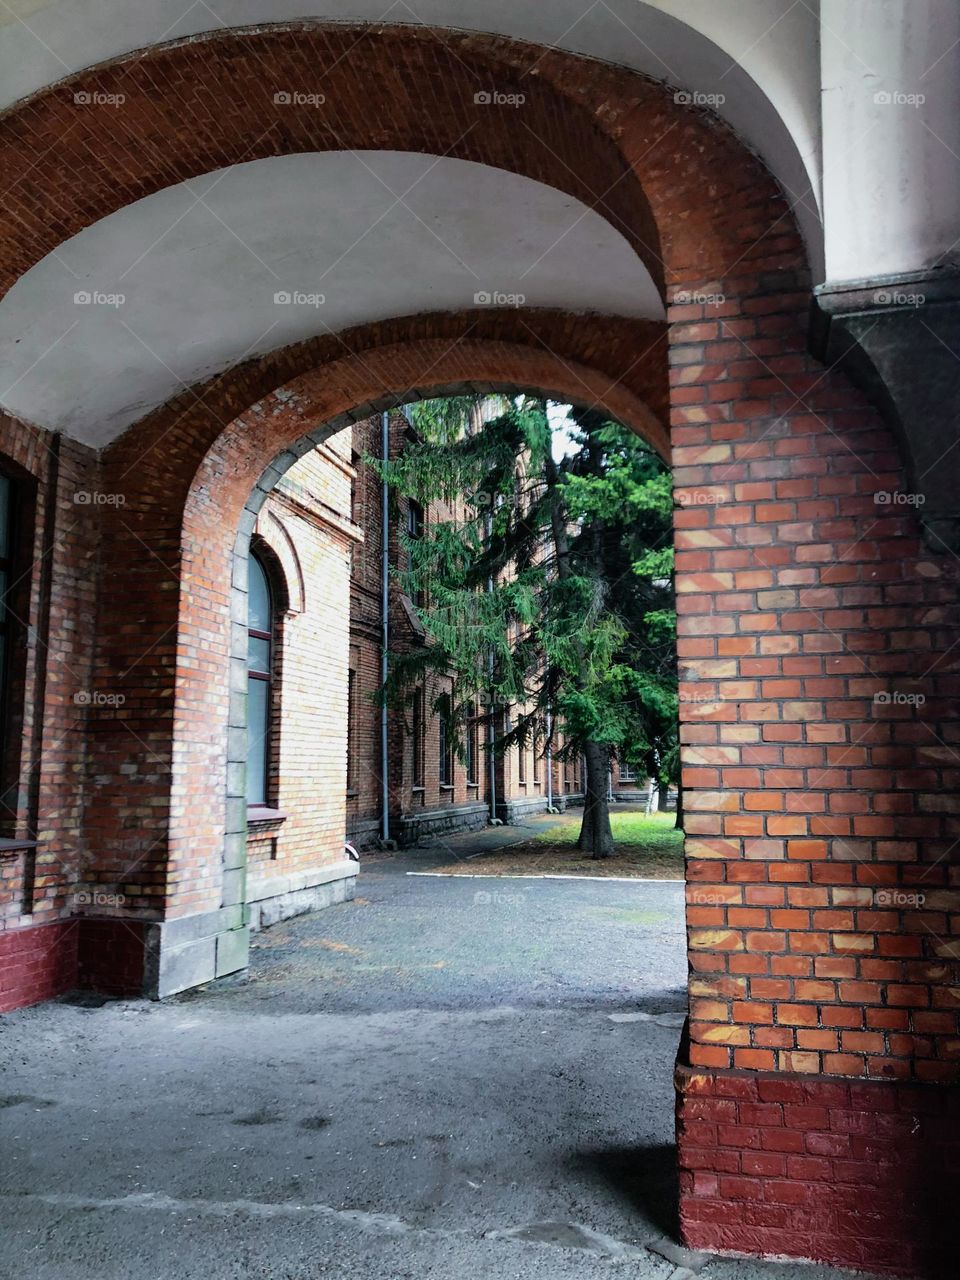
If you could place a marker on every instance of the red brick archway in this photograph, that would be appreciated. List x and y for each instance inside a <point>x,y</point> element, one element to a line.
<point>187,476</point>
<point>816,633</point>
<point>685,192</point>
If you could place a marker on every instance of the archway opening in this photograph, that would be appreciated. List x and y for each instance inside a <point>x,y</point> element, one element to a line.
<point>448,943</point>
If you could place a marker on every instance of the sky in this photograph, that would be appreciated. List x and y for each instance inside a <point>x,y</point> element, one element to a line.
<point>559,418</point>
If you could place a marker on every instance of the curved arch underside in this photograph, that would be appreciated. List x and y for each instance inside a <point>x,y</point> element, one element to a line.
<point>757,63</point>
<point>234,426</point>
<point>186,282</point>
<point>641,170</point>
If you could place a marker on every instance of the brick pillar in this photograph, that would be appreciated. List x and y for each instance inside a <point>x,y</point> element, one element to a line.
<point>817,1100</point>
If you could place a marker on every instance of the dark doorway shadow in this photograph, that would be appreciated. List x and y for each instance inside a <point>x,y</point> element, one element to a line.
<point>643,1177</point>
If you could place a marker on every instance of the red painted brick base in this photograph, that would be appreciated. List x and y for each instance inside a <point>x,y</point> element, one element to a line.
<point>862,1174</point>
<point>49,960</point>
<point>110,957</point>
<point>38,964</point>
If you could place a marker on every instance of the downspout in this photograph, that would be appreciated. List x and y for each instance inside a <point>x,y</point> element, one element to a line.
<point>549,763</point>
<point>493,724</point>
<point>385,635</point>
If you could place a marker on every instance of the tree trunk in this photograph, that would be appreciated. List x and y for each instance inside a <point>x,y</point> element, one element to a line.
<point>679,821</point>
<point>596,837</point>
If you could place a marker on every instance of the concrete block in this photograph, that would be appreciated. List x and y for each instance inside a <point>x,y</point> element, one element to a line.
<point>233,951</point>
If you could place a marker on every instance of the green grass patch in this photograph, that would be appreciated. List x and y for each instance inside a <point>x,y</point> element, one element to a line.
<point>654,834</point>
<point>648,848</point>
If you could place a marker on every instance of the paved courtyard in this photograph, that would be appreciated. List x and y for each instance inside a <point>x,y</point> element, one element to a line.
<point>450,1078</point>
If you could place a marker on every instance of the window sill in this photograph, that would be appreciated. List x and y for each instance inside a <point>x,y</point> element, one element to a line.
<point>352,795</point>
<point>446,786</point>
<point>259,815</point>
<point>10,850</point>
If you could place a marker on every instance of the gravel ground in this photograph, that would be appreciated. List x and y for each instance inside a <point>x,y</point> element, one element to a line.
<point>447,1078</point>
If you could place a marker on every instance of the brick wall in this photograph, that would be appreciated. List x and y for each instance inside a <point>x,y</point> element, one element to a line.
<point>818,707</point>
<point>819,813</point>
<point>414,810</point>
<point>305,523</point>
<point>854,1173</point>
<point>818,716</point>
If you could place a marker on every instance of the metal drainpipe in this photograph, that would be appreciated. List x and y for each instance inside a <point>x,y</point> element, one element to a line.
<point>385,642</point>
<point>549,764</point>
<point>493,723</point>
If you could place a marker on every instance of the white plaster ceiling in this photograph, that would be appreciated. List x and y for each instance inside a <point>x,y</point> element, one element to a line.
<point>759,58</point>
<point>198,267</point>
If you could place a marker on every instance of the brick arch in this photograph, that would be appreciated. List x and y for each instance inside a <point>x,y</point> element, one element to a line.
<point>607,359</point>
<point>254,449</point>
<point>179,483</point>
<point>684,191</point>
<point>277,547</point>
<point>816,815</point>
<point>242,465</point>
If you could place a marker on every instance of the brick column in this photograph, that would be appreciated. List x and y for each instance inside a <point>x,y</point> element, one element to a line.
<point>818,707</point>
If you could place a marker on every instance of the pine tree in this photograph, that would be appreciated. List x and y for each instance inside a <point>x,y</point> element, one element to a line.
<point>549,590</point>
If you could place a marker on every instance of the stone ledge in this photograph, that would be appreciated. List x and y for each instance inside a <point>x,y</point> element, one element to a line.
<point>258,890</point>
<point>297,902</point>
<point>413,827</point>
<point>190,950</point>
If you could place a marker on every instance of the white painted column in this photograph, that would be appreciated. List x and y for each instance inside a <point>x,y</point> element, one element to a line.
<point>891,136</point>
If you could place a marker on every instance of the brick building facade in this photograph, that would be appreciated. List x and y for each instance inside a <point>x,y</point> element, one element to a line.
<point>818,1088</point>
<point>432,789</point>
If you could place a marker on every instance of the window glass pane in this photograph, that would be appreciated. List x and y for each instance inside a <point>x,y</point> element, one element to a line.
<point>4,516</point>
<point>259,607</point>
<point>258,706</point>
<point>258,654</point>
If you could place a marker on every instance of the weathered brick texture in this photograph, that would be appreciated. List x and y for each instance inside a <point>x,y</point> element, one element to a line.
<point>860,1174</point>
<point>822,818</point>
<point>818,701</point>
<point>305,537</point>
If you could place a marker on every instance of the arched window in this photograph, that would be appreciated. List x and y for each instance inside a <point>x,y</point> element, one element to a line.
<point>260,637</point>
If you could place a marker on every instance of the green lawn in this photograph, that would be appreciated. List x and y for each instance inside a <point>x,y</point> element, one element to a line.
<point>649,848</point>
<point>656,833</point>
